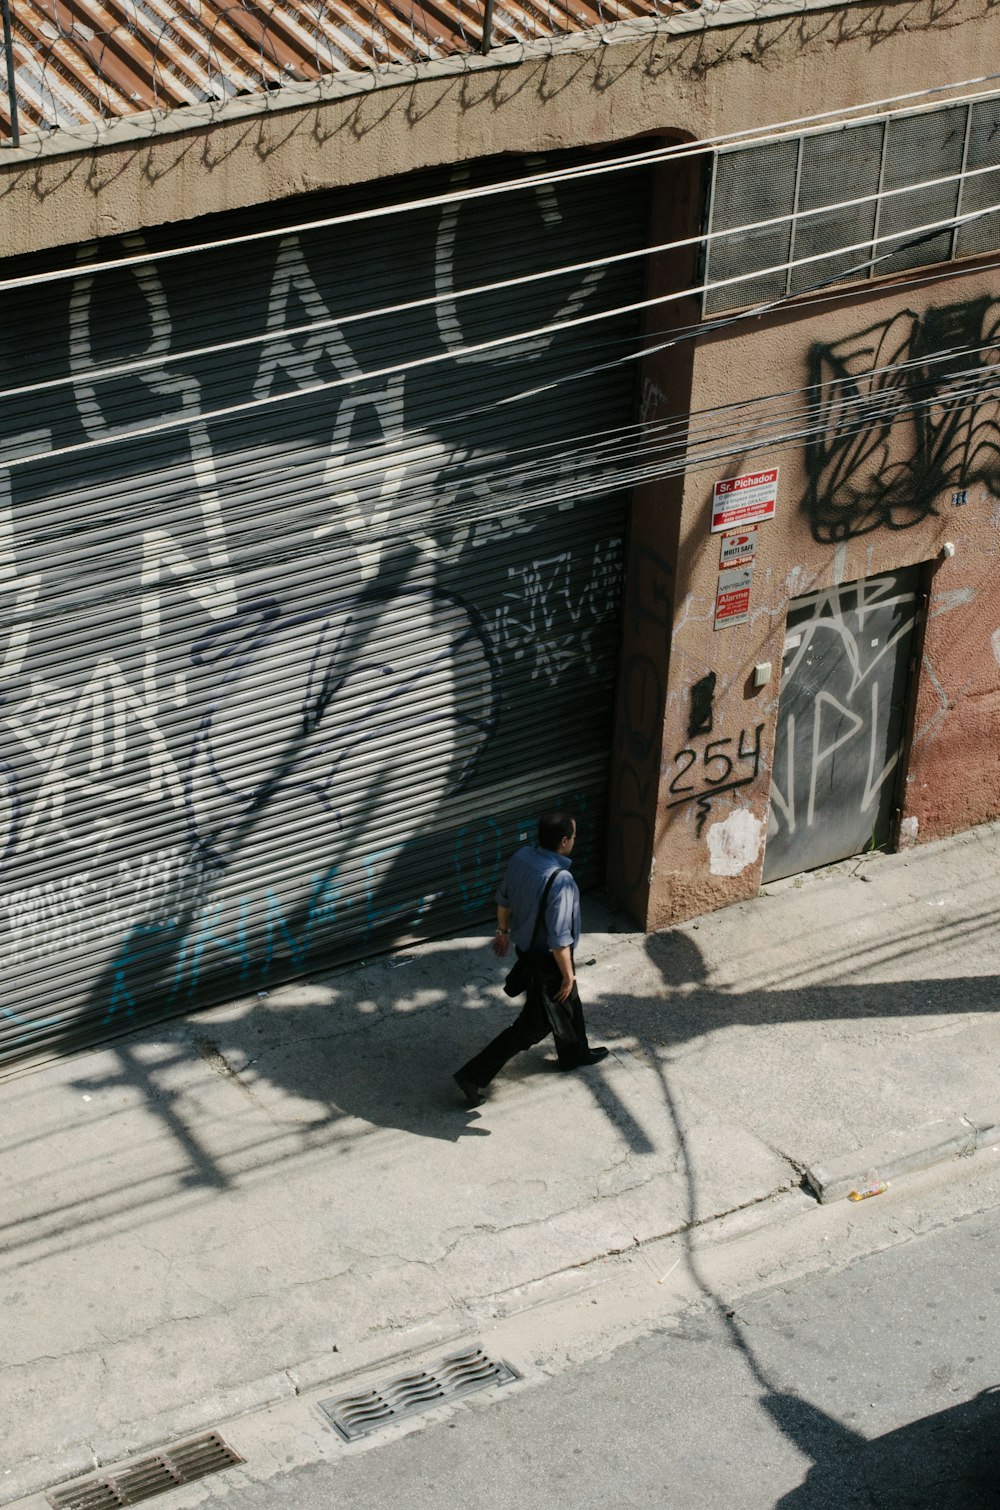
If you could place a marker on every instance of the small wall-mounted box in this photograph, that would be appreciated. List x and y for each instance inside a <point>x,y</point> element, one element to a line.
<point>762,673</point>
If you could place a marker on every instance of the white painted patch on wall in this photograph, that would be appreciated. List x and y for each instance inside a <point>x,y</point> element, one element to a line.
<point>995,642</point>
<point>840,563</point>
<point>908,832</point>
<point>734,843</point>
<point>944,602</point>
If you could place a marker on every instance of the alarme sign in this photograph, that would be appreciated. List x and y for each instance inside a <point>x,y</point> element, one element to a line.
<point>744,500</point>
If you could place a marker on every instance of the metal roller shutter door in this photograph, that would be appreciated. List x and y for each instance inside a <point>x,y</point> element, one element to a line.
<point>293,651</point>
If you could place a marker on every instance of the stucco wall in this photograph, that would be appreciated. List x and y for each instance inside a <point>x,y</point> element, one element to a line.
<point>818,538</point>
<point>729,68</point>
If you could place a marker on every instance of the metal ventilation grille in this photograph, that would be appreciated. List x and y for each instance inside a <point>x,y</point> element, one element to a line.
<point>930,146</point>
<point>980,189</point>
<point>831,175</point>
<point>148,1477</point>
<point>916,168</point>
<point>751,184</point>
<point>355,1416</point>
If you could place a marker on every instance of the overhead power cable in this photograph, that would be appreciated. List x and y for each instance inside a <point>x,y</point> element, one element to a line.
<point>412,497</point>
<point>822,292</point>
<point>749,420</point>
<point>749,136</point>
<point>504,285</point>
<point>418,510</point>
<point>563,471</point>
<point>911,237</point>
<point>824,418</point>
<point>680,460</point>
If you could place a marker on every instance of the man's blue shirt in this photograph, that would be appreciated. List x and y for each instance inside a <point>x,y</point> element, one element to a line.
<point>521,890</point>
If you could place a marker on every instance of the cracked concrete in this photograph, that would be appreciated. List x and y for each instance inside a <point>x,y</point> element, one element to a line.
<point>207,1213</point>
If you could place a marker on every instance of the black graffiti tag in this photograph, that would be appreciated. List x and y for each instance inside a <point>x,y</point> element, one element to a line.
<point>906,411</point>
<point>716,769</point>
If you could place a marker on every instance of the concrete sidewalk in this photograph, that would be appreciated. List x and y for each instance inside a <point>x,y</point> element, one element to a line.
<point>265,1196</point>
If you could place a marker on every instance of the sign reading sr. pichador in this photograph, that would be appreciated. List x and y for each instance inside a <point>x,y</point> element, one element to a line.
<point>744,500</point>
<point>732,600</point>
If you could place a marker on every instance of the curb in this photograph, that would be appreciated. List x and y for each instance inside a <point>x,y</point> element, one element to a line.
<point>326,1371</point>
<point>902,1153</point>
<point>213,1412</point>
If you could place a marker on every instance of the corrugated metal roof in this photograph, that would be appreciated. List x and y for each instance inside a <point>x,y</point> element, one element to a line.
<point>81,61</point>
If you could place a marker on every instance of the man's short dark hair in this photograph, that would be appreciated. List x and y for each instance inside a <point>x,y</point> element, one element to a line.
<point>553,828</point>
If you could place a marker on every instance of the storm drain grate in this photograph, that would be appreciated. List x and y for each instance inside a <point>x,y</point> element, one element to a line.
<point>355,1416</point>
<point>153,1475</point>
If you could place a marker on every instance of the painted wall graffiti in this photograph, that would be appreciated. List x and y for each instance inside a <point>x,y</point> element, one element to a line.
<point>718,766</point>
<point>840,721</point>
<point>266,674</point>
<point>87,908</point>
<point>553,591</point>
<point>907,411</point>
<point>351,707</point>
<point>707,768</point>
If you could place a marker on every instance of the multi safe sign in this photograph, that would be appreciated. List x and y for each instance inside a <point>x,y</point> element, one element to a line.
<point>739,548</point>
<point>739,501</point>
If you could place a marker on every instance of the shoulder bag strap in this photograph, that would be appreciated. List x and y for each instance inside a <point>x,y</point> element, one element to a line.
<point>539,920</point>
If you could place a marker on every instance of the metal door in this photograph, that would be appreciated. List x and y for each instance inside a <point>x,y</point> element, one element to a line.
<point>312,550</point>
<point>841,719</point>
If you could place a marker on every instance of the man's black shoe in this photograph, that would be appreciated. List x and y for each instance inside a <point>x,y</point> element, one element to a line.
<point>594,1056</point>
<point>473,1093</point>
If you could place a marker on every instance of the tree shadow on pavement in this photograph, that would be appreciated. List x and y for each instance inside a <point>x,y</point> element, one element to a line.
<point>392,1067</point>
<point>694,1012</point>
<point>385,1069</point>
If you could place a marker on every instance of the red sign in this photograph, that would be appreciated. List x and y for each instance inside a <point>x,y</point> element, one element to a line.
<point>732,600</point>
<point>744,500</point>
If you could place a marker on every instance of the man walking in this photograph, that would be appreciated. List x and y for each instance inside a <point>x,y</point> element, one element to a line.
<point>538,907</point>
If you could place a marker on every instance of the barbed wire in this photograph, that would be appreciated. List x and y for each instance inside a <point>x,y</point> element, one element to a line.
<point>68,68</point>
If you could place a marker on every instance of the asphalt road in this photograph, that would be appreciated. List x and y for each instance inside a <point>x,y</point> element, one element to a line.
<point>877,1385</point>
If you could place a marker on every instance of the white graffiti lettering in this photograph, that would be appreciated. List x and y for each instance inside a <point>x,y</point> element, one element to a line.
<point>448,318</point>
<point>85,742</point>
<point>163,557</point>
<point>77,911</point>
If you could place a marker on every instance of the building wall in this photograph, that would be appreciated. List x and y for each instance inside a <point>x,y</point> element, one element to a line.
<point>837,520</point>
<point>701,75</point>
<point>700,78</point>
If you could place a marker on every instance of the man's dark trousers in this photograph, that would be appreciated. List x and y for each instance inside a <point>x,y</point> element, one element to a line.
<point>531,1026</point>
